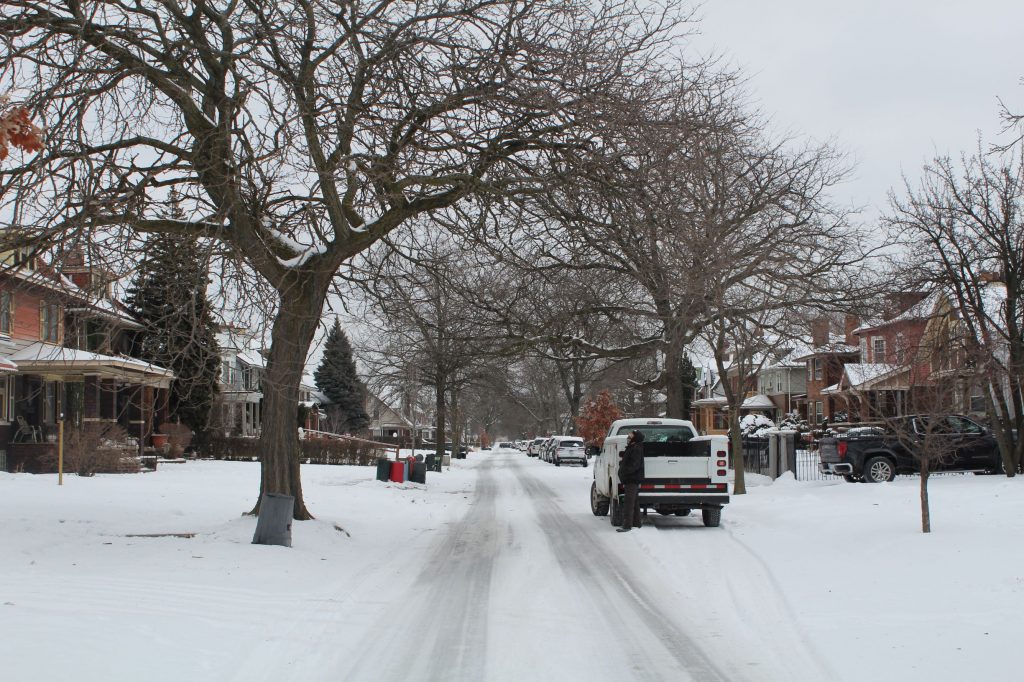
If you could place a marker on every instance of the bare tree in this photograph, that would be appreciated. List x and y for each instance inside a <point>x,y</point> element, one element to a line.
<point>963,233</point>
<point>299,133</point>
<point>692,211</point>
<point>414,300</point>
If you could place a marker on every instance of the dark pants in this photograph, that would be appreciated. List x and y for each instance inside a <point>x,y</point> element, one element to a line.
<point>631,506</point>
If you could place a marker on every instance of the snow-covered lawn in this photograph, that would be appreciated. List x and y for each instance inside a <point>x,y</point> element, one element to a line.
<point>834,572</point>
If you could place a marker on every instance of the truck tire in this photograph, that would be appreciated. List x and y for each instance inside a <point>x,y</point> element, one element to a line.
<point>712,516</point>
<point>585,463</point>
<point>598,502</point>
<point>618,514</point>
<point>558,462</point>
<point>879,470</point>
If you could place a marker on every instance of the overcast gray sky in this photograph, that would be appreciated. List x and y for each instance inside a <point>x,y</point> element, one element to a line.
<point>892,82</point>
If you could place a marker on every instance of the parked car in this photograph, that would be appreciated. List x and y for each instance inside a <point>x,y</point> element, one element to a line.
<point>568,450</point>
<point>682,470</point>
<point>533,449</point>
<point>546,452</point>
<point>505,446</point>
<point>874,454</point>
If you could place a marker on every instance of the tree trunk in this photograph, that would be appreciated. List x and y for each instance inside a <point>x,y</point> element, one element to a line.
<point>676,404</point>
<point>440,389</point>
<point>297,318</point>
<point>926,517</point>
<point>739,485</point>
<point>456,423</point>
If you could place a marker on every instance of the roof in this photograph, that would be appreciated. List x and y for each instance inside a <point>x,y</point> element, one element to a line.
<point>871,375</point>
<point>921,310</point>
<point>46,358</point>
<point>758,402</point>
<point>831,348</point>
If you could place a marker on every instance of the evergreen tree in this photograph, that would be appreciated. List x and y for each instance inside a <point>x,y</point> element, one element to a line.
<point>168,295</point>
<point>688,378</point>
<point>337,379</point>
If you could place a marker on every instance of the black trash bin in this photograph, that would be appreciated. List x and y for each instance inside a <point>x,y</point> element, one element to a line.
<point>274,525</point>
<point>383,469</point>
<point>418,473</point>
<point>433,463</point>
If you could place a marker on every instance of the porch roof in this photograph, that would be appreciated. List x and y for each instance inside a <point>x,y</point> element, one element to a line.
<point>7,365</point>
<point>61,363</point>
<point>758,402</point>
<point>875,376</point>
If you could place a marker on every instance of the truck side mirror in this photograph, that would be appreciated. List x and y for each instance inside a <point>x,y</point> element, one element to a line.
<point>593,451</point>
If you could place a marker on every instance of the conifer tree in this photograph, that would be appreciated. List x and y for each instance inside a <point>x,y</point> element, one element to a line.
<point>168,296</point>
<point>337,379</point>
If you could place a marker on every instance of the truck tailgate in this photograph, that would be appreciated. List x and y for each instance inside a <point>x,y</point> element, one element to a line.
<point>691,460</point>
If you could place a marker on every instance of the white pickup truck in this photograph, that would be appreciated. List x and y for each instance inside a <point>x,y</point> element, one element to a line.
<point>682,470</point>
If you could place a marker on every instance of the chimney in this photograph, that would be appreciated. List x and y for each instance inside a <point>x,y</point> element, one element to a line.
<point>819,331</point>
<point>850,322</point>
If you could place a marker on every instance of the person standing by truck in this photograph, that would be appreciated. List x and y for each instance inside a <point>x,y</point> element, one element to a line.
<point>631,474</point>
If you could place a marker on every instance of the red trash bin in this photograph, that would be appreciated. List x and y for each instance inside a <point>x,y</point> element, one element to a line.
<point>398,472</point>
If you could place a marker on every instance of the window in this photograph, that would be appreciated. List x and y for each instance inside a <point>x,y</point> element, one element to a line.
<point>977,403</point>
<point>5,398</point>
<point>6,313</point>
<point>818,369</point>
<point>50,322</point>
<point>863,350</point>
<point>877,349</point>
<point>51,402</point>
<point>819,411</point>
<point>659,433</point>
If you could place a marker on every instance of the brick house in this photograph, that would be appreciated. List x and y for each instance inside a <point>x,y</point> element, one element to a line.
<point>890,364</point>
<point>63,345</point>
<point>824,362</point>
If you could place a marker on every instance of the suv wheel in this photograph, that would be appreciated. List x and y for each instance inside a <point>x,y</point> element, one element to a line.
<point>712,516</point>
<point>879,470</point>
<point>598,502</point>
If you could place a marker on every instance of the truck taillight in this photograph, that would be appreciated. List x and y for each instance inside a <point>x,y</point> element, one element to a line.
<point>841,447</point>
<point>721,472</point>
<point>721,462</point>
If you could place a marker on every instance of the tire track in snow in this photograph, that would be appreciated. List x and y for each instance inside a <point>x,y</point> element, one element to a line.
<point>626,605</point>
<point>440,631</point>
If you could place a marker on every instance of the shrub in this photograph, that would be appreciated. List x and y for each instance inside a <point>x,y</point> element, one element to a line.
<point>92,450</point>
<point>755,425</point>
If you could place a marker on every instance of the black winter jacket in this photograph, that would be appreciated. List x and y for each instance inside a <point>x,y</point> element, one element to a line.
<point>631,466</point>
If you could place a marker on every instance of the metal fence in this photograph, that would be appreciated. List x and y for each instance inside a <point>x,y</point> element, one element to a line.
<point>802,462</point>
<point>755,456</point>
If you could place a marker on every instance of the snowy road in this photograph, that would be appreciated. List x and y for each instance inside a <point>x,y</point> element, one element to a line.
<point>519,588</point>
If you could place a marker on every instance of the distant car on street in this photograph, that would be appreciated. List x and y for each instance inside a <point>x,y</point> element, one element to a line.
<point>505,447</point>
<point>568,450</point>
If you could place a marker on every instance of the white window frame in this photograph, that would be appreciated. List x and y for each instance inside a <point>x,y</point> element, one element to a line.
<point>876,343</point>
<point>6,313</point>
